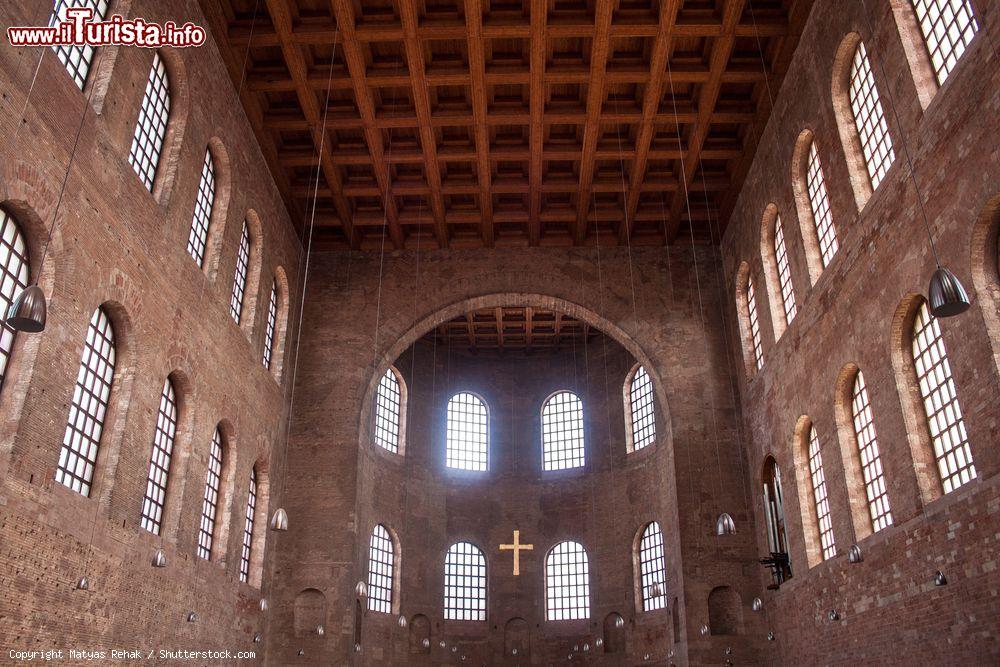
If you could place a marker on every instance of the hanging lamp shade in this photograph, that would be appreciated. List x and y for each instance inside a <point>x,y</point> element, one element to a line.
<point>946,294</point>
<point>159,558</point>
<point>704,629</point>
<point>256,638</point>
<point>619,621</point>
<point>279,521</point>
<point>320,630</point>
<point>725,525</point>
<point>655,591</point>
<point>402,621</point>
<point>263,604</point>
<point>854,554</point>
<point>83,584</point>
<point>361,589</point>
<point>27,310</point>
<point>192,617</point>
<point>425,642</point>
<point>756,604</point>
<point>599,642</point>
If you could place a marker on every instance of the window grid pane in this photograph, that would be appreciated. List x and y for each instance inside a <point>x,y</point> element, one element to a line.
<point>944,414</point>
<point>641,403</point>
<point>562,432</point>
<point>77,59</point>
<point>202,211</point>
<point>272,316</point>
<point>819,201</point>
<point>784,272</point>
<point>825,524</point>
<point>151,129</point>
<point>871,461</point>
<point>948,27</point>
<point>758,348</point>
<point>248,527</point>
<point>567,583</point>
<point>159,461</point>
<point>78,454</point>
<point>468,433</point>
<point>869,119</point>
<point>652,568</point>
<point>464,583</point>
<point>387,405</point>
<point>240,277</point>
<point>210,504</point>
<point>381,556</point>
<point>14,278</point>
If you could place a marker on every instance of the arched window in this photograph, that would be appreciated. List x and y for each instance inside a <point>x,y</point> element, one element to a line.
<point>869,118</point>
<point>248,526</point>
<point>948,27</point>
<point>388,406</point>
<point>639,408</point>
<point>78,454</point>
<point>819,203</point>
<point>562,432</point>
<point>944,414</point>
<point>652,568</point>
<point>784,272</point>
<point>240,277</point>
<point>14,276</point>
<point>871,462</point>
<point>272,317</point>
<point>567,583</point>
<point>159,460</point>
<point>464,583</point>
<point>468,437</point>
<point>198,237</point>
<point>151,129</point>
<point>381,563</point>
<point>77,59</point>
<point>758,348</point>
<point>210,502</point>
<point>824,523</point>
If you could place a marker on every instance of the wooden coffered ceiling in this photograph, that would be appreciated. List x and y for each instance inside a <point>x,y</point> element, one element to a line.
<point>515,328</point>
<point>482,123</point>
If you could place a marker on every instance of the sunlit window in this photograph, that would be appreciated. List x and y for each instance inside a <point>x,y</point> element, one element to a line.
<point>248,527</point>
<point>871,462</point>
<point>240,277</point>
<point>948,27</point>
<point>272,319</point>
<point>784,272</point>
<point>562,432</point>
<point>567,583</point>
<point>819,202</point>
<point>381,563</point>
<point>464,583</point>
<point>869,118</point>
<point>77,59</point>
<point>652,568</point>
<point>468,438</point>
<point>78,454</point>
<point>388,400</point>
<point>14,269</point>
<point>944,414</point>
<point>151,129</point>
<point>640,405</point>
<point>159,460</point>
<point>210,501</point>
<point>825,523</point>
<point>198,237</point>
<point>758,348</point>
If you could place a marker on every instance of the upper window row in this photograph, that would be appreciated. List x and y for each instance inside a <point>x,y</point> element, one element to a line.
<point>468,423</point>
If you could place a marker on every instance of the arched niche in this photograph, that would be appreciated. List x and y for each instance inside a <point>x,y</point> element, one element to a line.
<point>725,611</point>
<point>420,630</point>
<point>517,638</point>
<point>309,612</point>
<point>614,636</point>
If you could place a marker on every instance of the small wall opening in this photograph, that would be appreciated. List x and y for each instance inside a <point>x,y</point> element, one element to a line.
<point>725,611</point>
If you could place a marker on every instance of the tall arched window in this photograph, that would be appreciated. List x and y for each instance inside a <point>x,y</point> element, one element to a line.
<point>819,202</point>
<point>562,432</point>
<point>77,59</point>
<point>464,583</point>
<point>381,564</point>
<point>159,460</point>
<point>652,568</point>
<point>567,582</point>
<point>869,118</point>
<point>89,406</point>
<point>248,527</point>
<point>151,128</point>
<point>784,272</point>
<point>198,237</point>
<point>272,318</point>
<point>639,408</point>
<point>388,407</point>
<point>871,462</point>
<point>240,277</point>
<point>468,437</point>
<point>823,520</point>
<point>758,348</point>
<point>210,501</point>
<point>944,414</point>
<point>14,276</point>
<point>948,27</point>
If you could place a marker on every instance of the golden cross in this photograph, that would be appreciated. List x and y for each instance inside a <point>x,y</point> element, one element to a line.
<point>517,547</point>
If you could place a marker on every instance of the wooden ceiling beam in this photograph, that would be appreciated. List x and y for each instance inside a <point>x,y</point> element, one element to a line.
<point>480,109</point>
<point>536,102</point>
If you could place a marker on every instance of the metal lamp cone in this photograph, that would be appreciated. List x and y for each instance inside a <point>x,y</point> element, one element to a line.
<point>83,584</point>
<point>279,521</point>
<point>27,310</point>
<point>725,525</point>
<point>159,558</point>
<point>854,555</point>
<point>946,294</point>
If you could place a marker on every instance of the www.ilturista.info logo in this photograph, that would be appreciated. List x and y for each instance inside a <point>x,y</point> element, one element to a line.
<point>76,29</point>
